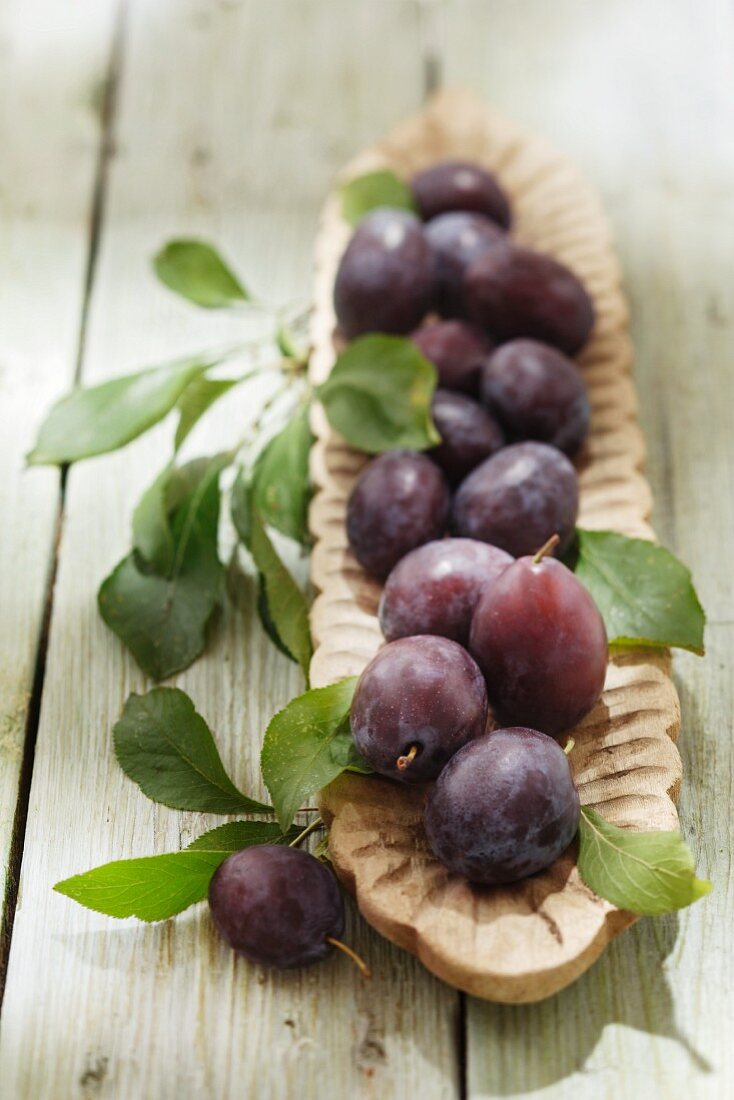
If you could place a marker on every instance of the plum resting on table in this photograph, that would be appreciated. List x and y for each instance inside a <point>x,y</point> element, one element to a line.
<point>399,501</point>
<point>536,393</point>
<point>434,589</point>
<point>417,702</point>
<point>276,905</point>
<point>456,350</point>
<point>504,807</point>
<point>469,434</point>
<point>456,240</point>
<point>460,185</point>
<point>540,641</point>
<point>518,498</point>
<point>385,281</point>
<point>515,291</point>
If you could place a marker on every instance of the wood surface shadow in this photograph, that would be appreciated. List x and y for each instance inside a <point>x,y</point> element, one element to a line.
<point>628,985</point>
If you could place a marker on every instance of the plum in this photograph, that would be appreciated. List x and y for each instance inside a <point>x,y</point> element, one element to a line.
<point>460,185</point>
<point>504,807</point>
<point>399,501</point>
<point>417,702</point>
<point>536,392</point>
<point>469,434</point>
<point>277,906</point>
<point>514,291</point>
<point>386,278</point>
<point>434,589</point>
<point>518,498</point>
<point>457,239</point>
<point>456,350</point>
<point>540,641</point>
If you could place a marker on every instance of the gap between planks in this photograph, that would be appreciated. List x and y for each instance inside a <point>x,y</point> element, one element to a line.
<point>96,216</point>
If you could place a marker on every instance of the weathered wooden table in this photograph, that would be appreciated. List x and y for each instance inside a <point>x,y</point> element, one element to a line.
<point>123,122</point>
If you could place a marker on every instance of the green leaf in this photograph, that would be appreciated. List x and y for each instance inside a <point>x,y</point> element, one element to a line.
<point>381,188</point>
<point>152,532</point>
<point>647,873</point>
<point>286,603</point>
<point>152,888</point>
<point>241,506</point>
<point>199,396</point>
<point>266,621</point>
<point>288,345</point>
<point>166,747</point>
<point>152,535</point>
<point>197,272</point>
<point>280,479</point>
<point>379,395</point>
<point>99,419</point>
<point>163,619</point>
<point>646,596</point>
<point>307,744</point>
<point>158,887</point>
<point>236,835</point>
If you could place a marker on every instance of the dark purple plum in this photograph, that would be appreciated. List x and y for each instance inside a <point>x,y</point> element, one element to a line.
<point>456,350</point>
<point>504,807</point>
<point>536,392</point>
<point>434,589</point>
<point>457,239</point>
<point>460,185</point>
<point>385,281</point>
<point>515,291</point>
<point>400,500</point>
<point>277,906</point>
<point>518,498</point>
<point>469,434</point>
<point>540,641</point>
<point>417,702</point>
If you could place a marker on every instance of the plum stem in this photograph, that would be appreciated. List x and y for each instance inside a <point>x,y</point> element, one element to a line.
<point>315,824</point>
<point>360,963</point>
<point>547,548</point>
<point>568,747</point>
<point>403,761</point>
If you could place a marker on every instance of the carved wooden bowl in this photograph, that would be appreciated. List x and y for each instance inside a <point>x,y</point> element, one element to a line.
<point>526,941</point>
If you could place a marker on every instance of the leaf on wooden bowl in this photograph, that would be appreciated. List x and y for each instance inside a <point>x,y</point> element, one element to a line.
<point>524,942</point>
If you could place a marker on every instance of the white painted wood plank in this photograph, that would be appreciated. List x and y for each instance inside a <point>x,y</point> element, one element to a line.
<point>640,95</point>
<point>232,119</point>
<point>52,64</point>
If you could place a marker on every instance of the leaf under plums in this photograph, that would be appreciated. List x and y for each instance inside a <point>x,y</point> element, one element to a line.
<point>99,419</point>
<point>380,188</point>
<point>280,481</point>
<point>379,393</point>
<point>198,273</point>
<point>286,604</point>
<point>646,873</point>
<point>233,836</point>
<point>152,888</point>
<point>164,745</point>
<point>307,744</point>
<point>162,619</point>
<point>199,396</point>
<point>646,596</point>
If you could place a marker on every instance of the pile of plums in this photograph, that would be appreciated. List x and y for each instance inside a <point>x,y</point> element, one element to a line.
<point>477,610</point>
<point>487,617</point>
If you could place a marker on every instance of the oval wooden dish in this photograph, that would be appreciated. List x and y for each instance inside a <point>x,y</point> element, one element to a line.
<point>526,941</point>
